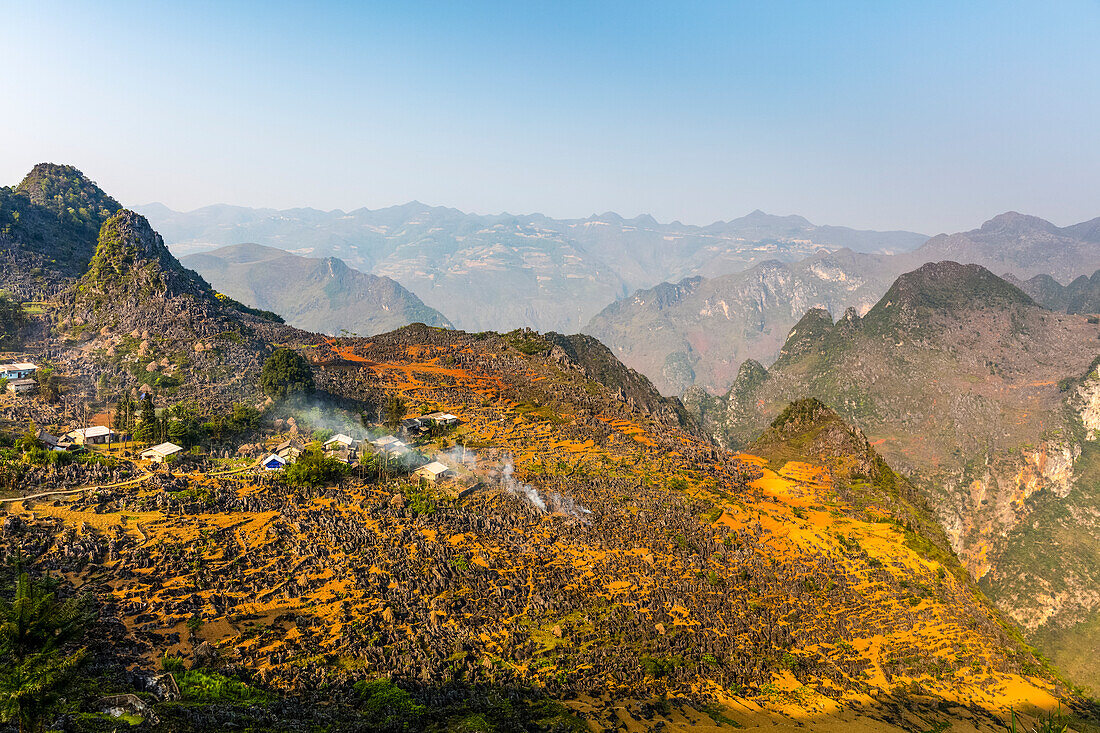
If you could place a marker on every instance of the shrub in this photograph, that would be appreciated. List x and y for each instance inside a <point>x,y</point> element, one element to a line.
<point>313,469</point>
<point>388,706</point>
<point>286,372</point>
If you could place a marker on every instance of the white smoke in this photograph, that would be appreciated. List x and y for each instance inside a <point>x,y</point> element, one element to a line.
<point>526,491</point>
<point>320,416</point>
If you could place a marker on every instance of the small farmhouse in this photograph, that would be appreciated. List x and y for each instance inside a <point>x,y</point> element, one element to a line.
<point>19,370</point>
<point>440,418</point>
<point>22,386</point>
<point>158,453</point>
<point>434,471</point>
<point>273,462</point>
<point>289,451</point>
<point>390,445</point>
<point>340,441</point>
<point>54,443</point>
<point>411,426</point>
<point>95,435</point>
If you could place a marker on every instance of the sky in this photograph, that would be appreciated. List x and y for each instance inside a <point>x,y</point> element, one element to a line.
<point>928,116</point>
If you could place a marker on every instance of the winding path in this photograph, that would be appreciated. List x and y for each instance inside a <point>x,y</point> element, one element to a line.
<point>67,492</point>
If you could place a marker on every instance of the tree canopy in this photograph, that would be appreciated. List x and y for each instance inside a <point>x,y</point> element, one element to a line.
<point>285,373</point>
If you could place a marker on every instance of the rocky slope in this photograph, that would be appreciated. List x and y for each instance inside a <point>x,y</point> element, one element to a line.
<point>503,272</point>
<point>49,225</point>
<point>608,560</point>
<point>699,331</point>
<point>145,320</point>
<point>321,295</point>
<point>964,382</point>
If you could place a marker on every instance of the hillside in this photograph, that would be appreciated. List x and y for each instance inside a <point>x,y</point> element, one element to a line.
<point>49,225</point>
<point>966,385</point>
<point>608,563</point>
<point>1022,245</point>
<point>594,565</point>
<point>145,320</point>
<point>503,272</point>
<point>696,333</point>
<point>321,295</point>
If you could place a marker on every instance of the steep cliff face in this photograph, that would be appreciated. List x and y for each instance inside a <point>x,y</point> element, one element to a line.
<point>698,331</point>
<point>987,401</point>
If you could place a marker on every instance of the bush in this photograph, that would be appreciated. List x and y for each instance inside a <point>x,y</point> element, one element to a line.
<point>284,373</point>
<point>313,469</point>
<point>387,705</point>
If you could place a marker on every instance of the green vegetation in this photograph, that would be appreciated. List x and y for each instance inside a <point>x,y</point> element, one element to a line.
<point>285,373</point>
<point>388,706</point>
<point>39,656</point>
<point>11,320</point>
<point>56,213</point>
<point>393,411</point>
<point>313,469</point>
<point>527,342</point>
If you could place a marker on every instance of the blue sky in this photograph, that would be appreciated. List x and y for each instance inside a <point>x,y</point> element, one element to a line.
<point>920,115</point>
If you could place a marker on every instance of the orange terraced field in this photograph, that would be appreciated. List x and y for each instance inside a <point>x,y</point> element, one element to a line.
<point>661,566</point>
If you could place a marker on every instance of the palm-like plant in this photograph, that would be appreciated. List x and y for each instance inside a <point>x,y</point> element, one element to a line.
<point>38,633</point>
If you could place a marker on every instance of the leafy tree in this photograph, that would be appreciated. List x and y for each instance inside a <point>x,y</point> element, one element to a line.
<point>313,469</point>
<point>148,429</point>
<point>38,654</point>
<point>286,372</point>
<point>394,411</point>
<point>244,417</point>
<point>183,428</point>
<point>124,414</point>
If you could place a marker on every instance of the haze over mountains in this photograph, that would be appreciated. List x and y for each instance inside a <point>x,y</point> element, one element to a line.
<point>698,332</point>
<point>319,294</point>
<point>503,271</point>
<point>685,305</point>
<point>600,550</point>
<point>989,403</point>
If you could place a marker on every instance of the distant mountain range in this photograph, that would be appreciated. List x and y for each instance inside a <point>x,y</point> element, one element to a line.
<point>323,295</point>
<point>1080,296</point>
<point>503,271</point>
<point>699,331</point>
<point>990,404</point>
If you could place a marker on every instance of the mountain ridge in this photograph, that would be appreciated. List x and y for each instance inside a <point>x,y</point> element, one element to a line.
<point>987,402</point>
<point>319,294</point>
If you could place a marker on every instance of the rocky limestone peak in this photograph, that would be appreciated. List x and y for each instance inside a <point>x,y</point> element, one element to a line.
<point>943,288</point>
<point>63,187</point>
<point>809,333</point>
<point>131,259</point>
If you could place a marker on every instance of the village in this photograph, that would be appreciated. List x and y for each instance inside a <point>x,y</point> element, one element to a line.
<point>406,449</point>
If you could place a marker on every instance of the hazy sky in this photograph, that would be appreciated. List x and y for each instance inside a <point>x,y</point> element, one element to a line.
<point>930,116</point>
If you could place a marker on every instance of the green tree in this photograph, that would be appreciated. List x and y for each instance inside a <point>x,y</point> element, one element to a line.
<point>244,417</point>
<point>313,469</point>
<point>394,411</point>
<point>39,655</point>
<point>48,387</point>
<point>286,372</point>
<point>148,429</point>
